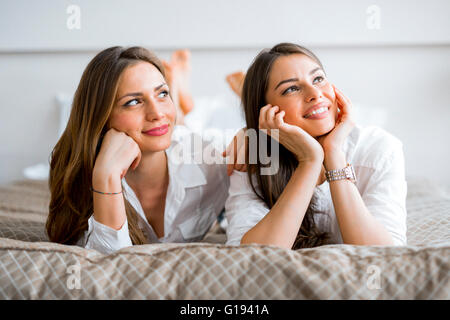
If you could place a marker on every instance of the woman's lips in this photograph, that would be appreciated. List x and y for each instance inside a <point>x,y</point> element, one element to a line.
<point>322,113</point>
<point>318,111</point>
<point>159,131</point>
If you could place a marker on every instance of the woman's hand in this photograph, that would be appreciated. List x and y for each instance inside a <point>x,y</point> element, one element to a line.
<point>332,142</point>
<point>237,150</point>
<point>295,139</point>
<point>118,153</point>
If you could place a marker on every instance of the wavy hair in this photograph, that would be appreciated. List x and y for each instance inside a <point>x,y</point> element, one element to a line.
<point>253,99</point>
<point>73,157</point>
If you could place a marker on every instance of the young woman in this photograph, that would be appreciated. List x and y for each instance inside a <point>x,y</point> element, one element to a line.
<point>336,183</point>
<point>114,179</point>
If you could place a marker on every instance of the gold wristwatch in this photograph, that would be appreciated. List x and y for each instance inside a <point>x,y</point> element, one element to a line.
<point>347,173</point>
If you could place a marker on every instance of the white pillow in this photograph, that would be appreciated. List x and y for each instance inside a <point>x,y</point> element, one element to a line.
<point>40,171</point>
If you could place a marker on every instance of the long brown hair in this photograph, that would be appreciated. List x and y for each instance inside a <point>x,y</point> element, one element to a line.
<point>73,157</point>
<point>253,99</point>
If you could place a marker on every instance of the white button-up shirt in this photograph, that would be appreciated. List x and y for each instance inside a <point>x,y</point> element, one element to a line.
<point>195,197</point>
<point>378,160</point>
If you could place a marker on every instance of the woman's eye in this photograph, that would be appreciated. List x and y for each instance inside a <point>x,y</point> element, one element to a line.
<point>318,79</point>
<point>291,89</point>
<point>132,102</point>
<point>163,94</point>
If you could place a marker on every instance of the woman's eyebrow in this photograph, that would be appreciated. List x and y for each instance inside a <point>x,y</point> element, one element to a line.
<point>314,70</point>
<point>296,79</point>
<point>140,94</point>
<point>160,86</point>
<point>284,81</point>
<point>132,94</point>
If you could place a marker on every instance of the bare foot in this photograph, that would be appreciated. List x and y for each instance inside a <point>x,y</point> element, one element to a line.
<point>181,71</point>
<point>235,81</point>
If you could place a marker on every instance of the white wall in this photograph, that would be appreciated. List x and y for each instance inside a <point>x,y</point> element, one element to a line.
<point>403,67</point>
<point>41,25</point>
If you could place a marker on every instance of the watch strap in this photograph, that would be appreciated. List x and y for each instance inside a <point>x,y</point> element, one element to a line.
<point>339,174</point>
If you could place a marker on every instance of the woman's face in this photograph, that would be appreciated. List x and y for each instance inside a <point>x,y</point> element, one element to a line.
<point>143,108</point>
<point>298,86</point>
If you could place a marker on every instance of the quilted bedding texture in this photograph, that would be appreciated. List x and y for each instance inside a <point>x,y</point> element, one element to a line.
<point>33,268</point>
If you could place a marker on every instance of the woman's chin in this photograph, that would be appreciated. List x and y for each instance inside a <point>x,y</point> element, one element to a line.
<point>155,146</point>
<point>321,129</point>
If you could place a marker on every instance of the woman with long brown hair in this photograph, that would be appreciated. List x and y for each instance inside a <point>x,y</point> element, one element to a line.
<point>336,182</point>
<point>114,179</point>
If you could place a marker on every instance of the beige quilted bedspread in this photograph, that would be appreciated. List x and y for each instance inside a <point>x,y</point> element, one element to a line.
<point>31,268</point>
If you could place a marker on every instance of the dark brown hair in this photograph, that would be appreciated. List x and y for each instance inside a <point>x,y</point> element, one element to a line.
<point>253,99</point>
<point>73,157</point>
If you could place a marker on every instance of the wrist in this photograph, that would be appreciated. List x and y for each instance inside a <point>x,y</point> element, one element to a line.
<point>314,157</point>
<point>334,160</point>
<point>310,165</point>
<point>106,181</point>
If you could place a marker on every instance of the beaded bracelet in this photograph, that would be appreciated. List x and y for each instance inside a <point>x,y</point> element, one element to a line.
<point>109,193</point>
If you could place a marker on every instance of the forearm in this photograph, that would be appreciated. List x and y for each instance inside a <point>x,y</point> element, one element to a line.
<point>280,226</point>
<point>108,209</point>
<point>357,224</point>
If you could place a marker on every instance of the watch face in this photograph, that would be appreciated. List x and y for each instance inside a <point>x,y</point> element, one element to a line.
<point>346,173</point>
<point>350,173</point>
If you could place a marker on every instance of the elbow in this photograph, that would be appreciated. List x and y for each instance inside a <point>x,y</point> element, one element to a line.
<point>244,239</point>
<point>372,241</point>
<point>249,238</point>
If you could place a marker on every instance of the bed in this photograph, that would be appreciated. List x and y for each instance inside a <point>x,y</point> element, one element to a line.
<point>33,268</point>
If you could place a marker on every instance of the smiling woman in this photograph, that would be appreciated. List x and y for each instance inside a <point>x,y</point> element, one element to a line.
<point>288,83</point>
<point>142,87</point>
<point>123,117</point>
<point>336,183</point>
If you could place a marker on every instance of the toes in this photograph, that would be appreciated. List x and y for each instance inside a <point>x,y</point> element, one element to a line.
<point>182,57</point>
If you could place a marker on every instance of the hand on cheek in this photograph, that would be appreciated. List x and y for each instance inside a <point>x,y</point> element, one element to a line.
<point>333,141</point>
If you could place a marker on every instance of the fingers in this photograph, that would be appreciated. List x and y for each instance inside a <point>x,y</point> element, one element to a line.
<point>262,116</point>
<point>232,145</point>
<point>342,99</point>
<point>236,151</point>
<point>238,162</point>
<point>137,152</point>
<point>231,151</point>
<point>238,167</point>
<point>279,121</point>
<point>241,167</point>
<point>240,158</point>
<point>137,160</point>
<point>270,116</point>
<point>345,106</point>
<point>345,120</point>
<point>230,168</point>
<point>338,96</point>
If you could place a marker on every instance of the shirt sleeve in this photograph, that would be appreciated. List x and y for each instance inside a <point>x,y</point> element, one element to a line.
<point>385,191</point>
<point>243,208</point>
<point>105,239</point>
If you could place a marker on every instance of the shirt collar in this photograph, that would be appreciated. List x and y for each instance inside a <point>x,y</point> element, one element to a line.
<point>181,174</point>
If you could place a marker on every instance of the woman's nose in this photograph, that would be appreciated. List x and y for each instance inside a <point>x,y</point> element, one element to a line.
<point>312,93</point>
<point>154,111</point>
